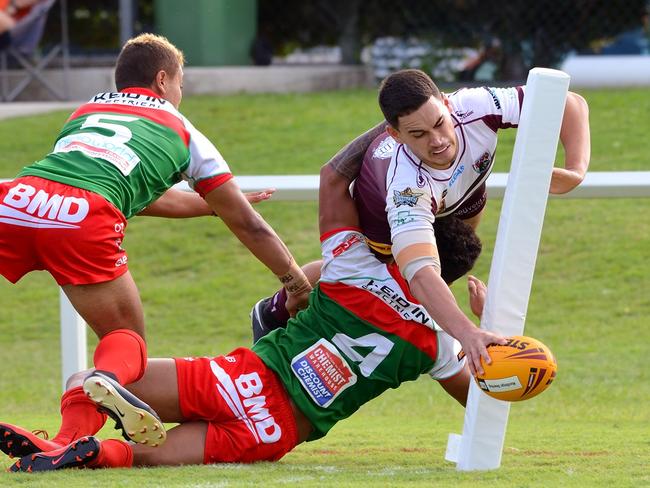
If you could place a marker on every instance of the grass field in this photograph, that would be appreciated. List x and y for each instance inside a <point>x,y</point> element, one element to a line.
<point>590,302</point>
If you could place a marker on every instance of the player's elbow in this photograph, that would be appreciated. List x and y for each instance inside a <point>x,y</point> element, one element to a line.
<point>578,104</point>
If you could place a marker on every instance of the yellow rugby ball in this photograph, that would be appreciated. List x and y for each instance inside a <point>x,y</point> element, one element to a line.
<point>520,369</point>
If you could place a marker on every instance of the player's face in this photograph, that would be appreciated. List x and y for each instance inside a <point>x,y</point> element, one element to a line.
<point>429,133</point>
<point>174,88</point>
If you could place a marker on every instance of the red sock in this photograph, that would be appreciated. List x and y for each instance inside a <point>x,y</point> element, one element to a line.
<point>79,417</point>
<point>113,453</point>
<point>122,352</point>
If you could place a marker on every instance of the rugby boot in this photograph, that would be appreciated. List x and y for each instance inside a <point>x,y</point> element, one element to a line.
<point>138,421</point>
<point>262,319</point>
<point>77,454</point>
<point>18,442</point>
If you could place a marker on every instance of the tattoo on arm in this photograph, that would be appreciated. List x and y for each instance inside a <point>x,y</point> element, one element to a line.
<point>347,162</point>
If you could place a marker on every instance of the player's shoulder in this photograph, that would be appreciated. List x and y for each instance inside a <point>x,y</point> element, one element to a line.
<point>468,103</point>
<point>382,147</point>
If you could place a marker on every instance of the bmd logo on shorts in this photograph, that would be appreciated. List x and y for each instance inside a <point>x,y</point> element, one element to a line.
<point>323,372</point>
<point>24,206</point>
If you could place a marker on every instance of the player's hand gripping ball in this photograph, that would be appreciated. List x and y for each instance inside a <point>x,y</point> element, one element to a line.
<point>520,369</point>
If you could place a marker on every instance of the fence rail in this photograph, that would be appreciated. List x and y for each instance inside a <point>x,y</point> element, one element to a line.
<point>630,184</point>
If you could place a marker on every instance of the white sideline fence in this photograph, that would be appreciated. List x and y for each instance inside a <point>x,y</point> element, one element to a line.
<point>606,184</point>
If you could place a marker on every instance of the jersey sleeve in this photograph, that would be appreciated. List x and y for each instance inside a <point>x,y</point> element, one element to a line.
<point>409,208</point>
<point>206,169</point>
<point>499,108</point>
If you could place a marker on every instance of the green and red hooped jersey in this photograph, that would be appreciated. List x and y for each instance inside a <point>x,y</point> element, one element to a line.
<point>130,147</point>
<point>362,333</point>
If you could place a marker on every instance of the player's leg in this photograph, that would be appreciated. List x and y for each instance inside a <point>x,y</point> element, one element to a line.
<point>185,445</point>
<point>271,313</point>
<point>114,311</point>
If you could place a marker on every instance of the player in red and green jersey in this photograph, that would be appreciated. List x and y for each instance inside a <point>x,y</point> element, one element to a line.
<point>117,156</point>
<point>363,333</point>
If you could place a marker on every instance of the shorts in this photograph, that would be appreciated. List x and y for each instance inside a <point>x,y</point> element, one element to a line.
<point>246,406</point>
<point>74,234</point>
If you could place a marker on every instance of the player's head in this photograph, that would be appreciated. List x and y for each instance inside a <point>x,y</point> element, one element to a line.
<point>151,61</point>
<point>418,116</point>
<point>458,247</point>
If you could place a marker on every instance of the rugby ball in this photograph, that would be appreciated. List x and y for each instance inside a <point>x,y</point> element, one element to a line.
<point>520,369</point>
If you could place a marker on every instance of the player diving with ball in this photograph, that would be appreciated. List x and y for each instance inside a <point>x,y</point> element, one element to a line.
<point>366,330</point>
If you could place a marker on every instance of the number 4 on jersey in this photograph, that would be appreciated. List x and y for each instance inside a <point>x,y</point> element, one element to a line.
<point>368,363</point>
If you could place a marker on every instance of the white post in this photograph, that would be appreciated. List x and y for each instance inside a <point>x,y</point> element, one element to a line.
<point>511,275</point>
<point>73,339</point>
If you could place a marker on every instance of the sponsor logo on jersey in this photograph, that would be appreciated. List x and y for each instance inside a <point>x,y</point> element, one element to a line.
<point>495,99</point>
<point>464,115</point>
<point>135,99</point>
<point>403,217</point>
<point>350,240</point>
<point>243,397</point>
<point>394,297</point>
<point>323,372</point>
<point>385,149</point>
<point>406,197</point>
<point>26,207</point>
<point>457,172</point>
<point>482,164</point>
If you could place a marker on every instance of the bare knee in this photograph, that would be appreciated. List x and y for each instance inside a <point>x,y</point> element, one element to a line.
<point>75,380</point>
<point>312,271</point>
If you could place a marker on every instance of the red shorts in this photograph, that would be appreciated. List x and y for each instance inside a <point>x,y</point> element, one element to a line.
<point>246,406</point>
<point>74,234</point>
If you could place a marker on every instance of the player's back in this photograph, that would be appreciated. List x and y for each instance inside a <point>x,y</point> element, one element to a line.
<point>362,334</point>
<point>129,147</point>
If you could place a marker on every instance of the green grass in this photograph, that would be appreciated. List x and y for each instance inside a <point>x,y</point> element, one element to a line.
<point>590,302</point>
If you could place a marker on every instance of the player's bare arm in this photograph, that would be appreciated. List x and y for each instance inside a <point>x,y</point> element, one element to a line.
<point>251,229</point>
<point>335,205</point>
<point>178,204</point>
<point>576,140</point>
<point>347,162</point>
<point>431,291</point>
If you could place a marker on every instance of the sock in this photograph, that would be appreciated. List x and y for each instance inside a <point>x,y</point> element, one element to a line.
<point>79,417</point>
<point>123,353</point>
<point>113,453</point>
<point>275,313</point>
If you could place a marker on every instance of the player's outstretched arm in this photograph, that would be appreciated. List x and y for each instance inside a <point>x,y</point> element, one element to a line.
<point>251,229</point>
<point>576,140</point>
<point>178,204</point>
<point>431,291</point>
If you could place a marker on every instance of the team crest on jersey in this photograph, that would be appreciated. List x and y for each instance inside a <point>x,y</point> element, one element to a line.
<point>385,149</point>
<point>406,197</point>
<point>322,372</point>
<point>483,163</point>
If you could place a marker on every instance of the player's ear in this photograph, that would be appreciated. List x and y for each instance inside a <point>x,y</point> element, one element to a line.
<point>394,133</point>
<point>160,81</point>
<point>445,100</point>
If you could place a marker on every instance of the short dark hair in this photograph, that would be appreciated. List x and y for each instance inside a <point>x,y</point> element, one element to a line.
<point>143,57</point>
<point>458,247</point>
<point>405,91</point>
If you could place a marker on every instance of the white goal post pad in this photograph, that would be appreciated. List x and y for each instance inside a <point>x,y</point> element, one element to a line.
<point>511,274</point>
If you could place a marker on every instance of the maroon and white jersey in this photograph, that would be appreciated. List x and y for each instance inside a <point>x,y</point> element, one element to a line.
<point>395,191</point>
